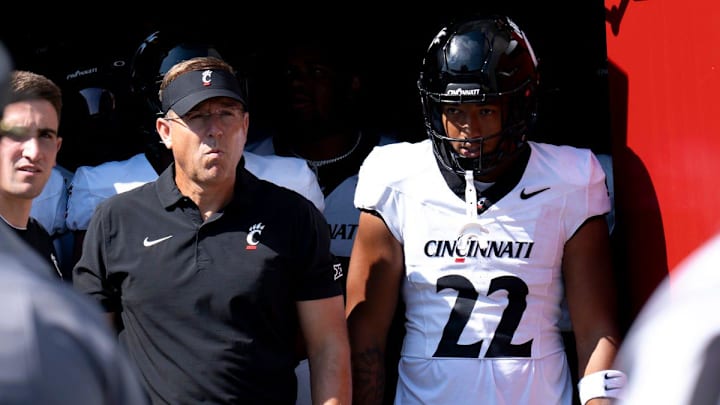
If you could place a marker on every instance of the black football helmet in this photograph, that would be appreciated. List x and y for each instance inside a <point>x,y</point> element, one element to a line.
<point>154,57</point>
<point>96,114</point>
<point>480,60</point>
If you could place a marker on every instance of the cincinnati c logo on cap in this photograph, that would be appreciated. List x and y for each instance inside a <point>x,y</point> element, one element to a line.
<point>207,78</point>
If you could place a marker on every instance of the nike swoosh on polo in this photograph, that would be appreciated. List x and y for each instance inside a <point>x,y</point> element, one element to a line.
<point>147,242</point>
<point>525,196</point>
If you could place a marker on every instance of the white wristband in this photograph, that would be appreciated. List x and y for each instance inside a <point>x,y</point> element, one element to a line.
<point>602,384</point>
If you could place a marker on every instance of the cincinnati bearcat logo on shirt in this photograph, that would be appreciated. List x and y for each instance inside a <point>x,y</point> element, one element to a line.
<point>252,236</point>
<point>493,248</point>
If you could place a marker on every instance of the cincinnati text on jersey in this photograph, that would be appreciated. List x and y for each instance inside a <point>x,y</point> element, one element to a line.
<point>463,92</point>
<point>343,231</point>
<point>493,248</point>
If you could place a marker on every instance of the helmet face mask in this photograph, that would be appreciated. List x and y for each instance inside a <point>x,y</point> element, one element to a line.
<point>480,61</point>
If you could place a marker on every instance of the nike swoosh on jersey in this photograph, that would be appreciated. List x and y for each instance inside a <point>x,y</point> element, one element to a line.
<point>147,242</point>
<point>525,196</point>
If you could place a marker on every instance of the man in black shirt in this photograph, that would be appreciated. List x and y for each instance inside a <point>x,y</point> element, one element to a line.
<point>214,272</point>
<point>29,143</point>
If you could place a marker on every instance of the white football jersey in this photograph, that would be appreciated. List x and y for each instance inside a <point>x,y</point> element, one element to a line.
<point>482,315</point>
<point>289,172</point>
<point>93,184</point>
<point>50,205</point>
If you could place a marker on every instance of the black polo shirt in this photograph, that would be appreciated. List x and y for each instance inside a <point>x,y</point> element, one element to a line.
<point>208,308</point>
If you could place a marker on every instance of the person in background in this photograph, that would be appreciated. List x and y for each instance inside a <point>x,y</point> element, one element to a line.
<point>56,345</point>
<point>321,122</point>
<point>482,231</point>
<point>152,59</point>
<point>98,113</point>
<point>213,272</point>
<point>93,79</point>
<point>29,143</point>
<point>671,353</point>
<point>324,123</point>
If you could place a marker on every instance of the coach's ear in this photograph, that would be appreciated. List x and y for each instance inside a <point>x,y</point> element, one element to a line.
<point>163,129</point>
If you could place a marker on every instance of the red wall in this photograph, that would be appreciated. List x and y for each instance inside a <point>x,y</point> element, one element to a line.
<point>664,75</point>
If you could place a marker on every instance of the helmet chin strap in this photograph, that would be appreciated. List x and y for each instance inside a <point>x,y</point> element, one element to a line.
<point>470,195</point>
<point>472,230</point>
